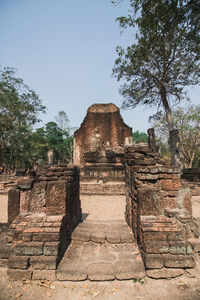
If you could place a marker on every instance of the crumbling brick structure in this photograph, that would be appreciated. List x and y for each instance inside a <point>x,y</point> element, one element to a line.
<point>102,132</point>
<point>159,212</point>
<point>43,211</point>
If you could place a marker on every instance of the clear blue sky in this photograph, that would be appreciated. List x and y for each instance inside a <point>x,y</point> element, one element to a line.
<point>65,51</point>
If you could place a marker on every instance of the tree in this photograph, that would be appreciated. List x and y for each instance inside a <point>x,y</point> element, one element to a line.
<point>139,137</point>
<point>19,108</point>
<point>187,121</point>
<point>62,120</point>
<point>163,60</point>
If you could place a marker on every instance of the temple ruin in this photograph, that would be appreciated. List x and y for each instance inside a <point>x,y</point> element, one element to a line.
<point>143,225</point>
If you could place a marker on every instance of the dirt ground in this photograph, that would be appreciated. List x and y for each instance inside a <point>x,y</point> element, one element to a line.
<point>182,288</point>
<point>4,207</point>
<point>103,207</point>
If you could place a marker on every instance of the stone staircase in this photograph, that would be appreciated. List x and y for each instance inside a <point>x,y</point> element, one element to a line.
<point>102,246</point>
<point>101,250</point>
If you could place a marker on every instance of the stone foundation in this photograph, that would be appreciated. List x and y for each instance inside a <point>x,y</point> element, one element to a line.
<point>159,211</point>
<point>43,211</point>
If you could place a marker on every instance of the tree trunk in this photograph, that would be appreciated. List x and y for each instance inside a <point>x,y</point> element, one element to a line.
<point>174,141</point>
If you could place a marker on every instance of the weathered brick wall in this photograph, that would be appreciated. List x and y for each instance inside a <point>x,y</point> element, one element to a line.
<point>43,211</point>
<point>102,129</point>
<point>155,202</point>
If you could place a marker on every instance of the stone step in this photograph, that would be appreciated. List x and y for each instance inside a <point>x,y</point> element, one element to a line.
<point>109,188</point>
<point>114,232</point>
<point>102,179</point>
<point>101,250</point>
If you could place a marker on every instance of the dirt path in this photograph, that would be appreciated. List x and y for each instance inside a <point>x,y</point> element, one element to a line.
<point>182,288</point>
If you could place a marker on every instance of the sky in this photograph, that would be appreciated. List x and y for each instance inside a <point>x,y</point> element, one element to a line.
<point>65,51</point>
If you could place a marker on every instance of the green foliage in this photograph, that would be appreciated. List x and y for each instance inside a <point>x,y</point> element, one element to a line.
<point>20,146</point>
<point>19,108</point>
<point>139,280</point>
<point>164,59</point>
<point>139,137</point>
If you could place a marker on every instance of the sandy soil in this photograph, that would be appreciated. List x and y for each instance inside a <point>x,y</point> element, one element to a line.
<point>3,207</point>
<point>103,207</point>
<point>182,288</point>
<point>196,206</point>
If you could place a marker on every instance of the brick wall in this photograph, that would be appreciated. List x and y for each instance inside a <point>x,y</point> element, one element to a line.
<point>43,211</point>
<point>159,211</point>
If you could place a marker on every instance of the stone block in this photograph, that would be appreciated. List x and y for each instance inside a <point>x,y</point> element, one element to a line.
<point>156,247</point>
<point>24,201</point>
<point>13,204</point>
<point>56,198</point>
<point>73,271</point>
<point>32,248</point>
<point>38,198</point>
<point>18,262</point>
<point>126,237</point>
<point>153,261</point>
<point>46,237</point>
<point>100,271</point>
<point>176,236</point>
<point>25,183</point>
<point>113,237</point>
<point>164,273</point>
<point>81,235</point>
<point>197,247</point>
<point>177,247</point>
<point>170,185</point>
<point>154,236</point>
<point>125,270</point>
<point>98,237</point>
<point>49,275</point>
<point>5,250</point>
<point>51,248</point>
<point>148,201</point>
<point>178,261</point>
<point>43,262</point>
<point>3,262</point>
<point>53,218</point>
<point>19,275</point>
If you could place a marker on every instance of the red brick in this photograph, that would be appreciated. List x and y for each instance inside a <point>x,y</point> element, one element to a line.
<point>33,230</point>
<point>156,247</point>
<point>52,229</point>
<point>170,185</point>
<point>54,218</point>
<point>47,224</point>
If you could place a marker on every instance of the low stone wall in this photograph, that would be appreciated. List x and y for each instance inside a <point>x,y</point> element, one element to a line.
<point>191,175</point>
<point>42,211</point>
<point>153,190</point>
<point>190,178</point>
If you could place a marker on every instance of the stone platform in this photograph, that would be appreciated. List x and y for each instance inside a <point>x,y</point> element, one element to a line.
<point>101,250</point>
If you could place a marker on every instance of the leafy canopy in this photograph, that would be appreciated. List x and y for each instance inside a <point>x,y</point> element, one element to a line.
<point>164,56</point>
